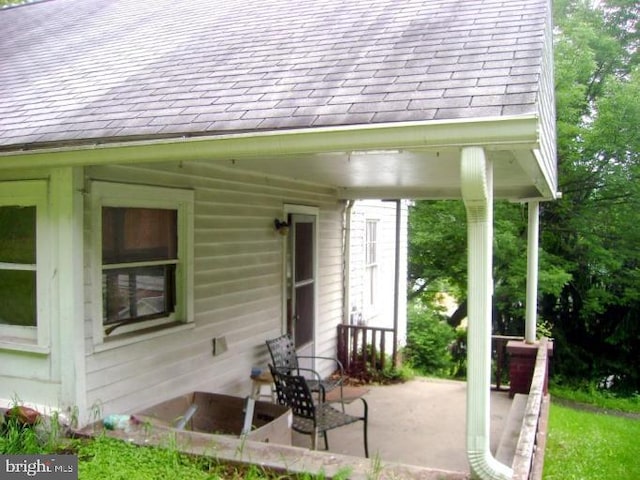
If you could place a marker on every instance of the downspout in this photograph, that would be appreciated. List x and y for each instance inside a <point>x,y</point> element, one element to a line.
<point>477,193</point>
<point>346,248</point>
<point>396,285</point>
<point>532,273</point>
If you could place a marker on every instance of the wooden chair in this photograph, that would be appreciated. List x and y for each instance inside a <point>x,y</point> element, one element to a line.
<point>309,417</point>
<point>284,357</point>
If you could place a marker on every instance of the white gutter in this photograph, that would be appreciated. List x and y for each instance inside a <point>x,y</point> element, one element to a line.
<point>396,282</point>
<point>532,273</point>
<point>477,193</point>
<point>494,132</point>
<point>346,307</point>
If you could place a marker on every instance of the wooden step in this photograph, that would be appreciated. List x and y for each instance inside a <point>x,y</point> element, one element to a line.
<point>509,438</point>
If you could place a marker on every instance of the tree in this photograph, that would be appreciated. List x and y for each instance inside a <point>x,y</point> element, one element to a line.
<point>589,260</point>
<point>594,227</point>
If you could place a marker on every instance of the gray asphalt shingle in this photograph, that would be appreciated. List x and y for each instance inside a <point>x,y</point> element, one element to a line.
<point>78,69</point>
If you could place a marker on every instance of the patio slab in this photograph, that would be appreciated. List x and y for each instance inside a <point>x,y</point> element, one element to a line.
<point>421,422</point>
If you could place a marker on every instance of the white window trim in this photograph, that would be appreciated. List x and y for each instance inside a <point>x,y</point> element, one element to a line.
<point>372,270</point>
<point>142,196</point>
<point>32,193</point>
<point>294,209</point>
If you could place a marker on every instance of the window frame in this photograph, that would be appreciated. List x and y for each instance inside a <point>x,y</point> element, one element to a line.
<point>123,195</point>
<point>32,193</point>
<point>371,267</point>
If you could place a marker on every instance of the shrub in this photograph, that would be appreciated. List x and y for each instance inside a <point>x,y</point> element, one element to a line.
<point>429,342</point>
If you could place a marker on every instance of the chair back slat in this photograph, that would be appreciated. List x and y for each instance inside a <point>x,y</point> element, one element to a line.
<point>283,353</point>
<point>293,392</point>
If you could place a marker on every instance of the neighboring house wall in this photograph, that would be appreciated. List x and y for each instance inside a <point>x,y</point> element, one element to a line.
<point>372,275</point>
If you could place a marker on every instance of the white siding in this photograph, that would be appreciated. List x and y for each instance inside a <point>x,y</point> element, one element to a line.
<point>46,375</point>
<point>238,292</point>
<point>385,214</point>
<point>27,376</point>
<point>547,111</point>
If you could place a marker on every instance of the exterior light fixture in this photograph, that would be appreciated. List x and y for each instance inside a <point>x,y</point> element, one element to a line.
<point>281,227</point>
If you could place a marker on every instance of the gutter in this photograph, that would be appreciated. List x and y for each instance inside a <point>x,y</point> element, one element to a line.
<point>346,239</point>
<point>477,193</point>
<point>396,283</point>
<point>495,132</point>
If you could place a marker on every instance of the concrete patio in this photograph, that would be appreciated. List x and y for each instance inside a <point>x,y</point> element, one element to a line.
<point>420,422</point>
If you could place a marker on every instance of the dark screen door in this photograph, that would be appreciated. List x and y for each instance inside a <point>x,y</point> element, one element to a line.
<point>301,324</point>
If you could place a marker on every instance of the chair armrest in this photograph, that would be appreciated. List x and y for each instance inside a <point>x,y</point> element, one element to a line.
<point>313,372</point>
<point>333,359</point>
<point>366,409</point>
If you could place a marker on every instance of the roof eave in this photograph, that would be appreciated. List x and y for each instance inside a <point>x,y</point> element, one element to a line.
<point>519,133</point>
<point>490,131</point>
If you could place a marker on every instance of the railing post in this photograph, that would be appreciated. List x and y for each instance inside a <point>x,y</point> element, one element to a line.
<point>354,347</point>
<point>530,445</point>
<point>355,355</point>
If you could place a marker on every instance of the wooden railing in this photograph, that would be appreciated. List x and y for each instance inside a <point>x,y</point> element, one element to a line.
<point>365,351</point>
<point>529,457</point>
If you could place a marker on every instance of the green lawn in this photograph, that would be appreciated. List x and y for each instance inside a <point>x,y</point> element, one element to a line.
<point>582,446</point>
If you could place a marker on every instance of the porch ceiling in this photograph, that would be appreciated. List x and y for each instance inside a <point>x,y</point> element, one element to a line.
<point>402,173</point>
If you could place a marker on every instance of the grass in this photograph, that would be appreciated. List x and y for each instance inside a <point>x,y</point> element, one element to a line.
<point>112,459</point>
<point>584,445</point>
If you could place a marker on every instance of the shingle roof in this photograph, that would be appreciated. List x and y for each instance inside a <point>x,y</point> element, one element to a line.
<point>73,70</point>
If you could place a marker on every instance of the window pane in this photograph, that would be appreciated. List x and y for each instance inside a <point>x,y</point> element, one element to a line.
<point>371,238</point>
<point>138,293</point>
<point>304,251</point>
<point>138,234</point>
<point>18,235</point>
<point>18,298</point>
<point>304,312</point>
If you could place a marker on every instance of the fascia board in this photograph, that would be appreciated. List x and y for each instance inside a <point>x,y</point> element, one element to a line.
<point>493,132</point>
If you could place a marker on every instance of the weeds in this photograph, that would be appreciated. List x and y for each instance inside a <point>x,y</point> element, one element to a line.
<point>376,468</point>
<point>108,458</point>
<point>603,399</point>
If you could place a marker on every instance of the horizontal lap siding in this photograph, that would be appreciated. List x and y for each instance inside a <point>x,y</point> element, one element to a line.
<point>237,293</point>
<point>330,286</point>
<point>385,214</point>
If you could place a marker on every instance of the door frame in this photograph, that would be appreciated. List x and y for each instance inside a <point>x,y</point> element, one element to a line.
<point>294,209</point>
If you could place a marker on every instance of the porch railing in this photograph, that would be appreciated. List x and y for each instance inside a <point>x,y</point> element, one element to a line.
<point>365,351</point>
<point>529,456</point>
<point>500,357</point>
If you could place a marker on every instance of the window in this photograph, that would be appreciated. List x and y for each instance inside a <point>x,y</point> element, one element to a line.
<point>371,263</point>
<point>23,261</point>
<point>144,238</point>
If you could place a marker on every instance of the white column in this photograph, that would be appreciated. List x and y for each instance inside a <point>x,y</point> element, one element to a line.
<point>68,352</point>
<point>532,273</point>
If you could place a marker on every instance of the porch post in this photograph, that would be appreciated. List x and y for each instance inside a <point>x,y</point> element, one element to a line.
<point>477,193</point>
<point>68,349</point>
<point>532,273</point>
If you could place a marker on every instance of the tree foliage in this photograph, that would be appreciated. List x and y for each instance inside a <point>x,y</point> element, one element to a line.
<point>589,262</point>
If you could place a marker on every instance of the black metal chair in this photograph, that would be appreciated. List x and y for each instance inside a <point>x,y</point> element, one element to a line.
<point>284,357</point>
<point>309,417</point>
